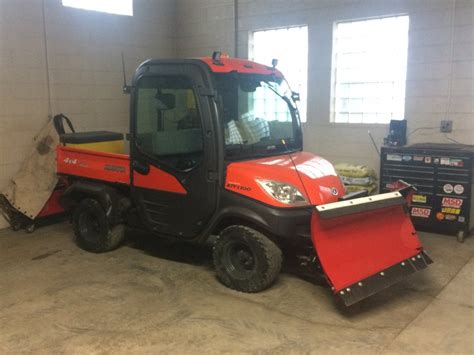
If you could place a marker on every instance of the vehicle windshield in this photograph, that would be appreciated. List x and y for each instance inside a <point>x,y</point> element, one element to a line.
<point>259,115</point>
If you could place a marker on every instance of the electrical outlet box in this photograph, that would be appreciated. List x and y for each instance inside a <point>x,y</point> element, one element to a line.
<point>446,126</point>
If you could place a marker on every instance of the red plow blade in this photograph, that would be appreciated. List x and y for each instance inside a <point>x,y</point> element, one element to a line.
<point>366,244</point>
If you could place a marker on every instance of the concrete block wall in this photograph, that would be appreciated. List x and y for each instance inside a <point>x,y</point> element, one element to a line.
<point>433,66</point>
<point>81,73</point>
<point>83,65</point>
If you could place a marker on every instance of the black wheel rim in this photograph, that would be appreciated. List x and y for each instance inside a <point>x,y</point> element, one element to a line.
<point>89,227</point>
<point>239,260</point>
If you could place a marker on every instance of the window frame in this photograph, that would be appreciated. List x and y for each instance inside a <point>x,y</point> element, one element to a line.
<point>155,158</point>
<point>333,97</point>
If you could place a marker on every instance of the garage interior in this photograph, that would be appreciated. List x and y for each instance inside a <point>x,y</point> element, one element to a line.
<point>152,294</point>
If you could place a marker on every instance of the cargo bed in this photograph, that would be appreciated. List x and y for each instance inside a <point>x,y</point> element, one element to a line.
<point>110,167</point>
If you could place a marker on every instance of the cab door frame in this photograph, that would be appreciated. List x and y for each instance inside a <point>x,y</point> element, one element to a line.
<point>174,208</point>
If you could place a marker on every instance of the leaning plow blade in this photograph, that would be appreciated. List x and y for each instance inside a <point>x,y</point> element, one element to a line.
<point>366,244</point>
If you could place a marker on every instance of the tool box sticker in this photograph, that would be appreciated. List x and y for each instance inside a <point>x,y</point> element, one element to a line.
<point>451,210</point>
<point>459,163</point>
<point>451,202</point>
<point>458,189</point>
<point>418,198</point>
<point>448,188</point>
<point>420,212</point>
<point>394,157</point>
<point>445,161</point>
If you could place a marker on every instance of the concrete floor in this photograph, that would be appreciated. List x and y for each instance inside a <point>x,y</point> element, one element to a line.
<point>154,296</point>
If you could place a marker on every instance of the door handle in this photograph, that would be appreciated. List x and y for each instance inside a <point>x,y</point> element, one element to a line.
<point>140,168</point>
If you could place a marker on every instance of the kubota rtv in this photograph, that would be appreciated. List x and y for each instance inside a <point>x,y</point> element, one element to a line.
<point>216,150</point>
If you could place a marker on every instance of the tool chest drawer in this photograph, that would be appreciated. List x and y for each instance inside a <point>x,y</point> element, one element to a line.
<point>443,175</point>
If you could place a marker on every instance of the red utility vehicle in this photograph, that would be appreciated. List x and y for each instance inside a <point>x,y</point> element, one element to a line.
<point>216,150</point>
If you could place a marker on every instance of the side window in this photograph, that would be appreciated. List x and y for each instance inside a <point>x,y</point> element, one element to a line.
<point>168,123</point>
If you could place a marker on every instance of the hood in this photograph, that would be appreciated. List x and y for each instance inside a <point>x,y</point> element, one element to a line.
<point>313,176</point>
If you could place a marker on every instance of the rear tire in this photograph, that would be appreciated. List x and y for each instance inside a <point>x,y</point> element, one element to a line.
<point>245,260</point>
<point>92,230</point>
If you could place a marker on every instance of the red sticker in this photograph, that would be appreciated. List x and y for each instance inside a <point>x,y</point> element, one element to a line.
<point>451,202</point>
<point>420,212</point>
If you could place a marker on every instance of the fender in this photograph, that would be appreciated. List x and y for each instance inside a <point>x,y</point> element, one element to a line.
<point>283,225</point>
<point>243,214</point>
<point>110,199</point>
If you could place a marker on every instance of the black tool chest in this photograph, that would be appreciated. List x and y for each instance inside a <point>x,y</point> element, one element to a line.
<point>443,175</point>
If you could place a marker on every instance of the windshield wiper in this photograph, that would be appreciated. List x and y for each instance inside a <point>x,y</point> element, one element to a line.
<point>287,100</point>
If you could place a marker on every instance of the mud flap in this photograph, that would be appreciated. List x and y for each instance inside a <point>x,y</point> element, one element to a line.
<point>366,244</point>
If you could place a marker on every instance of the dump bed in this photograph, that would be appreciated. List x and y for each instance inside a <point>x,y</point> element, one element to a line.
<point>110,167</point>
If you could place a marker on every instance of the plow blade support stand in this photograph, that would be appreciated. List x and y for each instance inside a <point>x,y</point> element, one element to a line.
<point>366,244</point>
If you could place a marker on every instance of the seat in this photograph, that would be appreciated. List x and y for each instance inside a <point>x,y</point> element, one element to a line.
<point>89,137</point>
<point>101,141</point>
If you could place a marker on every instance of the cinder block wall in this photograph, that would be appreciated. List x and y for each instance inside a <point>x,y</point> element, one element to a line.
<point>81,73</point>
<point>207,25</point>
<point>83,64</point>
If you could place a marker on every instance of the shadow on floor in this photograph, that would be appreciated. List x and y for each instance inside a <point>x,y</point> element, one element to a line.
<point>201,255</point>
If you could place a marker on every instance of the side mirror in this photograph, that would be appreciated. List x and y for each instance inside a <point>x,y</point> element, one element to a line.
<point>295,96</point>
<point>165,102</point>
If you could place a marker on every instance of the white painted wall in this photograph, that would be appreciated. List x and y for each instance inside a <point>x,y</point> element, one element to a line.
<point>207,25</point>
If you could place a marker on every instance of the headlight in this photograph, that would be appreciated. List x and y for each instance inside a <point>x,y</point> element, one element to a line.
<point>283,192</point>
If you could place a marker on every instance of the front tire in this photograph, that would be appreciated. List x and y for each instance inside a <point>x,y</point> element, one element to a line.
<point>245,260</point>
<point>92,230</point>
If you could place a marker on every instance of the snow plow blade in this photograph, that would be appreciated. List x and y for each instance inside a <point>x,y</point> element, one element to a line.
<point>366,244</point>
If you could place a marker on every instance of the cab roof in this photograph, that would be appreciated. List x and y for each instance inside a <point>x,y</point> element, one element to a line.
<point>227,65</point>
